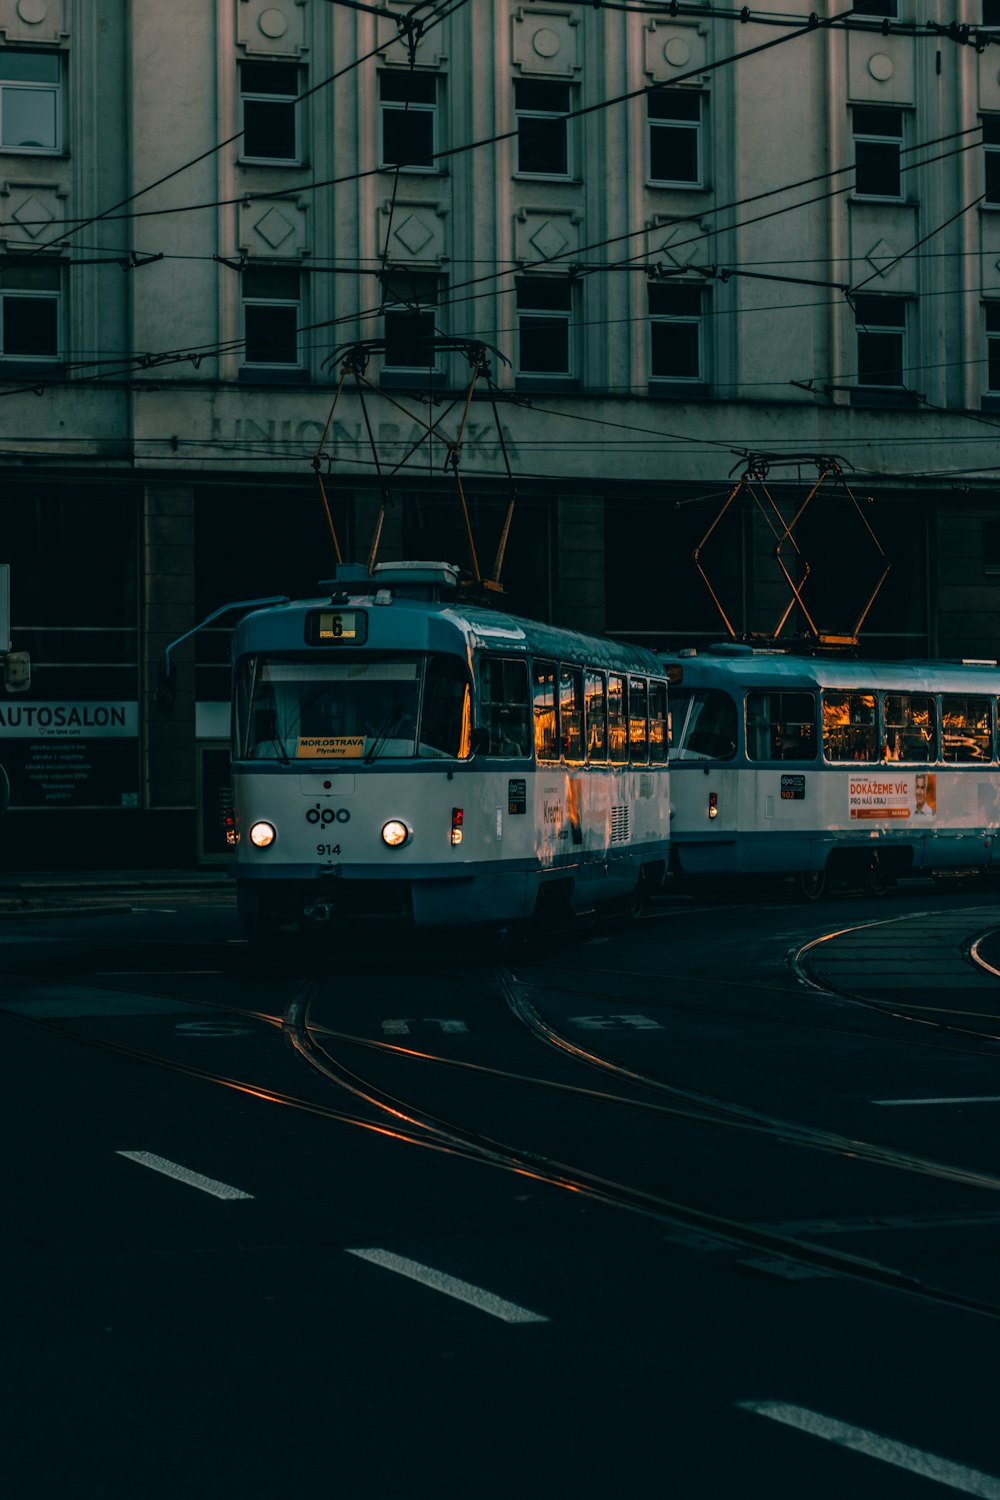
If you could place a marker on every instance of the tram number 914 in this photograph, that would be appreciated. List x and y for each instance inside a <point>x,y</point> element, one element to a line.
<point>322,849</point>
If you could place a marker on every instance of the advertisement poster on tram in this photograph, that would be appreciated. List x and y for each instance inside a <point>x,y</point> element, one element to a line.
<point>71,754</point>
<point>894,796</point>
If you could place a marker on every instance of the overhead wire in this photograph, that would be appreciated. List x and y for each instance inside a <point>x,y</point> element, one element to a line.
<point>217,348</point>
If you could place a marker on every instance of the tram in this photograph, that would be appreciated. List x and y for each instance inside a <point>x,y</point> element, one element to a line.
<point>830,769</point>
<point>399,751</point>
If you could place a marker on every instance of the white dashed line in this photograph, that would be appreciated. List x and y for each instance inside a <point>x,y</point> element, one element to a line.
<point>958,1099</point>
<point>464,1291</point>
<point>928,1465</point>
<point>183,1174</point>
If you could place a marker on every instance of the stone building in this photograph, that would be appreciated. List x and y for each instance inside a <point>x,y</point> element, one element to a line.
<point>698,243</point>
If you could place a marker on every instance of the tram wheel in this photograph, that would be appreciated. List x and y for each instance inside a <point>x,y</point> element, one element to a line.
<point>637,901</point>
<point>811,884</point>
<point>876,882</point>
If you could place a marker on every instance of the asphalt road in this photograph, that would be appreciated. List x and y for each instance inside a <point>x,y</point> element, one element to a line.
<point>704,1205</point>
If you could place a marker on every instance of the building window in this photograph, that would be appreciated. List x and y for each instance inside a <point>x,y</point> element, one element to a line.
<point>991,12</point>
<point>884,8</point>
<point>271,302</point>
<point>29,100</point>
<point>991,312</point>
<point>991,157</point>
<point>540,109</point>
<point>30,311</point>
<point>544,308</point>
<point>408,106</point>
<point>881,325</point>
<point>878,143</point>
<point>675,332</point>
<point>269,101</point>
<point>675,125</point>
<point>410,302</point>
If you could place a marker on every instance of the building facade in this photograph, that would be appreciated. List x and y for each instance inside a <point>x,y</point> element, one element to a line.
<point>699,259</point>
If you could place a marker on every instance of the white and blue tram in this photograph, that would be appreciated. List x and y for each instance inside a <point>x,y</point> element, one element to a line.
<point>829,768</point>
<point>399,751</point>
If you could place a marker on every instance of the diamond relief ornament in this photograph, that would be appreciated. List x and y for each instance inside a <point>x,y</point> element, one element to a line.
<point>32,216</point>
<point>274,228</point>
<point>548,241</point>
<point>413,234</point>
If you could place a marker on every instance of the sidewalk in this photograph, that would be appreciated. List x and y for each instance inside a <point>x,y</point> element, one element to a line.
<point>61,892</point>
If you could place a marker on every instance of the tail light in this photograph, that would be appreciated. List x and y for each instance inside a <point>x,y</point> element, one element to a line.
<point>713,804</point>
<point>457,819</point>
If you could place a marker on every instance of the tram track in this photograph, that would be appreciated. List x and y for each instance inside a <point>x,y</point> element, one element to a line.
<point>386,1112</point>
<point>802,963</point>
<point>314,1042</point>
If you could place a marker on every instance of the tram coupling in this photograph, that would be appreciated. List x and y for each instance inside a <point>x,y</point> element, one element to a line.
<point>320,912</point>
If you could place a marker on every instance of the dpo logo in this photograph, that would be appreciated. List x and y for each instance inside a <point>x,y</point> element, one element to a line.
<point>327,815</point>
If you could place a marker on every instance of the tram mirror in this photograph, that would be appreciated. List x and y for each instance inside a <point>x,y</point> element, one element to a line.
<point>166,689</point>
<point>479,740</point>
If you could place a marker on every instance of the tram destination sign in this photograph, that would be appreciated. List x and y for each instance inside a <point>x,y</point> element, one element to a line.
<point>336,627</point>
<point>71,754</point>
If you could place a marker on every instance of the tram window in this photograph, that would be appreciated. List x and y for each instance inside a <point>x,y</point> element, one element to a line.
<point>850,730</point>
<point>966,728</point>
<point>704,725</point>
<point>596,704</point>
<point>638,720</point>
<point>503,705</point>
<point>446,712</point>
<point>781,726</point>
<point>543,690</point>
<point>617,718</point>
<point>657,722</point>
<point>342,710</point>
<point>571,712</point>
<point>242,689</point>
<point>910,727</point>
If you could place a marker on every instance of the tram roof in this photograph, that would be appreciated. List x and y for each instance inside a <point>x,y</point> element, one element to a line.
<point>413,624</point>
<point>752,667</point>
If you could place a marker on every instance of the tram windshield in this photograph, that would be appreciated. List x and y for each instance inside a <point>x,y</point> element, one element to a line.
<point>363,709</point>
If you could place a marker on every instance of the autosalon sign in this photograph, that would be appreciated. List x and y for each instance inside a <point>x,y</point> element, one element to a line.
<point>71,754</point>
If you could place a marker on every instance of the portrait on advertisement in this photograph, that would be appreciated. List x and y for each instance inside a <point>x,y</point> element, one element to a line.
<point>924,794</point>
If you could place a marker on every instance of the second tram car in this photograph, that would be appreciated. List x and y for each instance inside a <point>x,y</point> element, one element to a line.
<point>827,768</point>
<point>400,751</point>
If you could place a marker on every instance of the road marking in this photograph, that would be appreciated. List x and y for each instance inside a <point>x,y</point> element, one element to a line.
<point>941,1470</point>
<point>183,1174</point>
<point>958,1099</point>
<point>464,1291</point>
<point>143,973</point>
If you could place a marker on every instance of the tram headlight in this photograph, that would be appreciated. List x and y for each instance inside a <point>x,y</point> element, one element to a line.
<point>395,833</point>
<point>262,834</point>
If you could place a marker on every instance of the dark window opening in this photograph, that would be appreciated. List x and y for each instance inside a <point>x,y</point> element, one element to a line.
<point>540,109</point>
<point>543,307</point>
<point>881,329</point>
<point>269,94</point>
<point>408,104</point>
<point>674,117</point>
<point>878,137</point>
<point>675,332</point>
